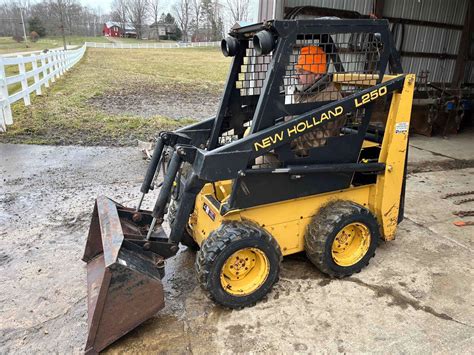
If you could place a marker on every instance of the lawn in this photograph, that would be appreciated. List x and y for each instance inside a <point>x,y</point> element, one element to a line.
<point>74,109</point>
<point>8,45</point>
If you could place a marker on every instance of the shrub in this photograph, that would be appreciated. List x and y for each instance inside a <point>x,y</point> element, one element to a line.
<point>34,36</point>
<point>35,24</point>
<point>18,39</point>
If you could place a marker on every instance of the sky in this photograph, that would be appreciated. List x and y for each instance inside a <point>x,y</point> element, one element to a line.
<point>166,6</point>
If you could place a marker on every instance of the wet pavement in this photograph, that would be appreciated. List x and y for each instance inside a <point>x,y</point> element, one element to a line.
<point>415,296</point>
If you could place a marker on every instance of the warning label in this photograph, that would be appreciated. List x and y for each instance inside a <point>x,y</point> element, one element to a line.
<point>401,127</point>
<point>209,212</point>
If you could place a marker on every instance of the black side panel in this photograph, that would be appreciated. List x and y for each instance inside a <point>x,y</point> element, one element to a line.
<point>254,190</point>
<point>342,149</point>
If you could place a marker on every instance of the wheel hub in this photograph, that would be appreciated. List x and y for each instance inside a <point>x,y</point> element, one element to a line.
<point>351,244</point>
<point>245,271</point>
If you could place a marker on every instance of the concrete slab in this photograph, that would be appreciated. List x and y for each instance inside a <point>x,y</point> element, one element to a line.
<point>459,146</point>
<point>415,296</point>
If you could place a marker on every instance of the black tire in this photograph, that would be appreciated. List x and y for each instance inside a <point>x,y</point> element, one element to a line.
<point>186,239</point>
<point>325,226</point>
<point>220,246</point>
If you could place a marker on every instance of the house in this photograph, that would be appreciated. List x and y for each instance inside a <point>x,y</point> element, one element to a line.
<point>114,29</point>
<point>160,29</point>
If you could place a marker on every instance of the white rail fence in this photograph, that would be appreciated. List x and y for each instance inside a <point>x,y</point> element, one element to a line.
<point>43,69</point>
<point>118,45</point>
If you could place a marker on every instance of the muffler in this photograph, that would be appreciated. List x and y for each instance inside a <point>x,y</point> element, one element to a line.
<point>124,286</point>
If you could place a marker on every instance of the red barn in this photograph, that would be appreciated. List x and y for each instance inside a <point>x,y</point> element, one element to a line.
<point>111,29</point>
<point>114,29</point>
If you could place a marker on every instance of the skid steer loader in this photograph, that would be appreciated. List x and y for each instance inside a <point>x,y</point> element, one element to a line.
<point>289,164</point>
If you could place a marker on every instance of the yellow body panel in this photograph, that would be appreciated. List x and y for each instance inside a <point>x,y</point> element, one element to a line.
<point>393,154</point>
<point>287,221</point>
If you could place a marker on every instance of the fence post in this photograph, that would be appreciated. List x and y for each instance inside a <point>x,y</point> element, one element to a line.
<point>34,66</point>
<point>57,66</point>
<point>45,70</point>
<point>5,109</point>
<point>67,59</point>
<point>61,62</point>
<point>69,54</point>
<point>24,80</point>
<point>52,66</point>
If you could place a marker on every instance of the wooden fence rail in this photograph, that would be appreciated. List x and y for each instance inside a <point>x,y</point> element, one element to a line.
<point>34,71</point>
<point>119,45</point>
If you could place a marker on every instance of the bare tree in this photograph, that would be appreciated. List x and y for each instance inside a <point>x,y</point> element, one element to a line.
<point>137,12</point>
<point>59,17</point>
<point>182,10</point>
<point>197,7</point>
<point>239,9</point>
<point>120,12</point>
<point>59,9</point>
<point>10,18</point>
<point>155,14</point>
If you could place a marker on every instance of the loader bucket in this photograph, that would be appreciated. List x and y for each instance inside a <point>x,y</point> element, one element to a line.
<point>123,284</point>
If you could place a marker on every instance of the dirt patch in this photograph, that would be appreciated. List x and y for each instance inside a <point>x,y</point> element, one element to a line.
<point>4,258</point>
<point>453,164</point>
<point>145,101</point>
<point>117,102</point>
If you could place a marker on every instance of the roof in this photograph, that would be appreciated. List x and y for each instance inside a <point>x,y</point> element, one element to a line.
<point>239,24</point>
<point>161,23</point>
<point>128,25</point>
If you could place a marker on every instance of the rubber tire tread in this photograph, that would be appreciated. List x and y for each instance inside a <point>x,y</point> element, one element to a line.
<point>324,227</point>
<point>219,240</point>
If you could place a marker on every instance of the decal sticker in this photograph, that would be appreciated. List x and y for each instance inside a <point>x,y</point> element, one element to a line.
<point>401,127</point>
<point>209,212</point>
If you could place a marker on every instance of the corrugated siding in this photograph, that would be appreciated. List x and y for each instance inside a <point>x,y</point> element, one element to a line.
<point>444,11</point>
<point>440,70</point>
<point>361,6</point>
<point>416,38</point>
<point>469,73</point>
<point>430,40</point>
<point>265,10</point>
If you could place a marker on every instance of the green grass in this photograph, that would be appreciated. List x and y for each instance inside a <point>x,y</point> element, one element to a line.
<point>8,45</point>
<point>65,115</point>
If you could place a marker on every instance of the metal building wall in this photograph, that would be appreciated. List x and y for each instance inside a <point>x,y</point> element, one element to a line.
<point>416,39</point>
<point>426,39</point>
<point>443,11</point>
<point>362,6</point>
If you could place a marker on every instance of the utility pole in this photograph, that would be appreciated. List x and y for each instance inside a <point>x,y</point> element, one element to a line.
<point>23,24</point>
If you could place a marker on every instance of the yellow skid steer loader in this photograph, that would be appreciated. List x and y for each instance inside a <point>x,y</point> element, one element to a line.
<point>307,152</point>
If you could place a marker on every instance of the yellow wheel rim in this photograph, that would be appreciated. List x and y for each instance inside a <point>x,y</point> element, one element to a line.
<point>245,271</point>
<point>351,244</point>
